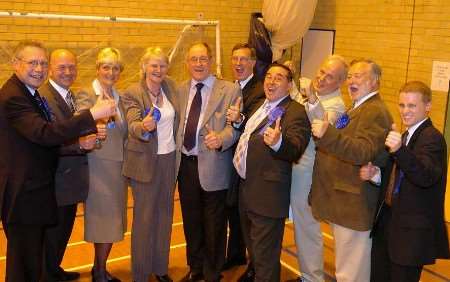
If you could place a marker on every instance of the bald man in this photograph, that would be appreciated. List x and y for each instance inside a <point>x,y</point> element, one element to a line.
<point>71,179</point>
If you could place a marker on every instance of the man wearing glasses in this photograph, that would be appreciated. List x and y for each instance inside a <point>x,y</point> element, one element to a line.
<point>276,134</point>
<point>30,141</point>
<point>204,162</point>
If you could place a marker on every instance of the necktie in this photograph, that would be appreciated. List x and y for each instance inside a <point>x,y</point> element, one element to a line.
<point>69,101</point>
<point>395,178</point>
<point>240,156</point>
<point>43,105</point>
<point>190,133</point>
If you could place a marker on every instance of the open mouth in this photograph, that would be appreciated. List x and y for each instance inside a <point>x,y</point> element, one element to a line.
<point>353,88</point>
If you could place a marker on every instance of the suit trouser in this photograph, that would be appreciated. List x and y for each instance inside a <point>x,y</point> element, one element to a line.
<point>308,235</point>
<point>352,252</point>
<point>24,252</point>
<point>204,221</point>
<point>264,237</point>
<point>57,237</point>
<point>383,269</point>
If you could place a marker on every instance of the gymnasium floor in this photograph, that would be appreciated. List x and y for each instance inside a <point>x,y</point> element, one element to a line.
<point>79,254</point>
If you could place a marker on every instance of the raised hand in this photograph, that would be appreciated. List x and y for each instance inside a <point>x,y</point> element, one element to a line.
<point>234,111</point>
<point>273,135</point>
<point>103,108</point>
<point>367,172</point>
<point>212,139</point>
<point>394,139</point>
<point>101,131</point>
<point>319,126</point>
<point>148,123</point>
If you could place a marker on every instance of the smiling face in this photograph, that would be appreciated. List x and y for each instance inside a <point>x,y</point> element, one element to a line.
<point>31,66</point>
<point>413,108</point>
<point>276,83</point>
<point>361,80</point>
<point>329,77</point>
<point>155,71</point>
<point>242,63</point>
<point>199,62</point>
<point>63,68</point>
<point>108,73</point>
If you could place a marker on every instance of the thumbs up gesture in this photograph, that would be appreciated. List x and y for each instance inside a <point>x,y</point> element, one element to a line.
<point>148,123</point>
<point>273,135</point>
<point>394,139</point>
<point>234,111</point>
<point>319,126</point>
<point>212,139</point>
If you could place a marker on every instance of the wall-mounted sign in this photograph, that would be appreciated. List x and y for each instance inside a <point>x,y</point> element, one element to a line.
<point>440,76</point>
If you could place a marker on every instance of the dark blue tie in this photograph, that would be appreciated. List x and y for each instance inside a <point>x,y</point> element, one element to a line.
<point>399,173</point>
<point>190,133</point>
<point>43,105</point>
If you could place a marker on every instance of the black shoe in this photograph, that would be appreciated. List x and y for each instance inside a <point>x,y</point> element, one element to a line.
<point>248,275</point>
<point>101,276</point>
<point>62,275</point>
<point>230,263</point>
<point>193,277</point>
<point>163,278</point>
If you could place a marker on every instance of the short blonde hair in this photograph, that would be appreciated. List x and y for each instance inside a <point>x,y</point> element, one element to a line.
<point>152,53</point>
<point>109,55</point>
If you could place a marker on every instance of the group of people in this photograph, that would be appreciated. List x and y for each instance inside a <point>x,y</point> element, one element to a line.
<point>241,153</point>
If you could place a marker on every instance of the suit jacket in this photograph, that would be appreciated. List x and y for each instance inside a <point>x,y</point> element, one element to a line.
<point>417,234</point>
<point>214,166</point>
<point>338,195</point>
<point>113,147</point>
<point>267,187</point>
<point>72,173</point>
<point>140,153</point>
<point>31,142</point>
<point>252,94</point>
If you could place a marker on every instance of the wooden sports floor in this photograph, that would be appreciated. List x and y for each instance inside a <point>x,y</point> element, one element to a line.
<point>79,254</point>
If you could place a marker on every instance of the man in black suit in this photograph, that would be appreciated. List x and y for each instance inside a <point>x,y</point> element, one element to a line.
<point>71,179</point>
<point>243,59</point>
<point>30,142</point>
<point>276,133</point>
<point>409,230</point>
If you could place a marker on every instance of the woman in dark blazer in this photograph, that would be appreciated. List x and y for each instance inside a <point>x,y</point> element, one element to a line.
<point>105,206</point>
<point>151,112</point>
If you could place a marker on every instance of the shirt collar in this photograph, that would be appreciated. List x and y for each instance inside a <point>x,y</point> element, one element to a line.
<point>413,129</point>
<point>273,104</point>
<point>98,90</point>
<point>208,82</point>
<point>243,83</point>
<point>31,89</point>
<point>61,90</point>
<point>363,99</point>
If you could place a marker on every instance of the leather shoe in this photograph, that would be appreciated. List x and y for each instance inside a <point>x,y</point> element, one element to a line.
<point>67,275</point>
<point>103,276</point>
<point>193,277</point>
<point>230,263</point>
<point>248,275</point>
<point>163,278</point>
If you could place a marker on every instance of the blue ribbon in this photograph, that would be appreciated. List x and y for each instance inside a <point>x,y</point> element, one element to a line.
<point>342,121</point>
<point>156,116</point>
<point>274,114</point>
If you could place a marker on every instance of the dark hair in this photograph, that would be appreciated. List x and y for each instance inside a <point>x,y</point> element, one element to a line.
<point>289,75</point>
<point>417,87</point>
<point>204,44</point>
<point>239,46</point>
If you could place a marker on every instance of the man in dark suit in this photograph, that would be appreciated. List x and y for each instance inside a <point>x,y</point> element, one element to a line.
<point>276,134</point>
<point>204,162</point>
<point>243,59</point>
<point>30,141</point>
<point>71,179</point>
<point>409,229</point>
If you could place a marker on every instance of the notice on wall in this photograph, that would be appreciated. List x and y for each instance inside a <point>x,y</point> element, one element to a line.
<point>440,76</point>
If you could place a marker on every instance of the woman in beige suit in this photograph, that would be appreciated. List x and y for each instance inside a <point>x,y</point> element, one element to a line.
<point>105,207</point>
<point>151,112</point>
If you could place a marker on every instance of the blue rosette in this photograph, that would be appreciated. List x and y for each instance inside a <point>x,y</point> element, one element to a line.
<point>342,121</point>
<point>156,116</point>
<point>274,114</point>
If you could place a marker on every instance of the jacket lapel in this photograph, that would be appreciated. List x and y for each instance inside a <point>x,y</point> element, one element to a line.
<point>213,101</point>
<point>416,133</point>
<point>184,94</point>
<point>284,104</point>
<point>60,102</point>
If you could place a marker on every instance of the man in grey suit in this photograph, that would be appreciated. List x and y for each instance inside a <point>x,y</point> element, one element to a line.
<point>204,162</point>
<point>71,178</point>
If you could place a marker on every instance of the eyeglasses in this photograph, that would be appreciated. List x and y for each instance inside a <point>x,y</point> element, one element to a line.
<point>201,60</point>
<point>34,63</point>
<point>277,78</point>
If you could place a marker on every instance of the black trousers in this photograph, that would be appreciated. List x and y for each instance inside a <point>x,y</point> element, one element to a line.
<point>382,268</point>
<point>24,252</point>
<point>263,237</point>
<point>56,239</point>
<point>203,221</point>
